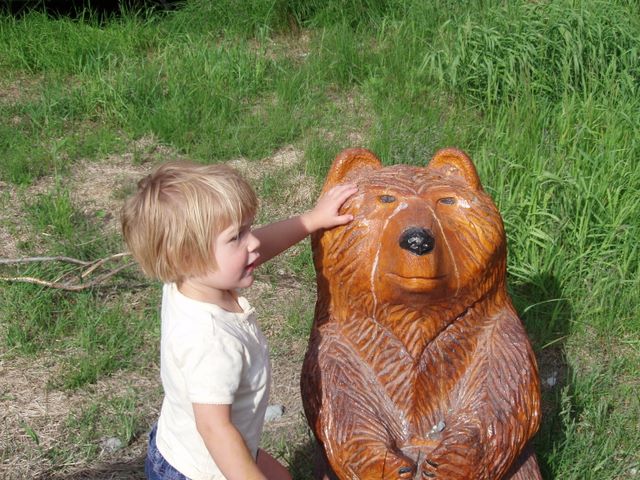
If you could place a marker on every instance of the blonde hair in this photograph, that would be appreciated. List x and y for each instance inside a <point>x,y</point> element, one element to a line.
<point>171,222</point>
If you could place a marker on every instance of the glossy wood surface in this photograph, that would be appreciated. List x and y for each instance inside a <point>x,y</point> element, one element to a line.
<point>418,366</point>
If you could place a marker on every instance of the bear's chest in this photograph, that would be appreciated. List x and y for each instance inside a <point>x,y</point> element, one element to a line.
<point>417,376</point>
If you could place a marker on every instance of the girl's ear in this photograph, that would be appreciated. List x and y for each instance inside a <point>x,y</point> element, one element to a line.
<point>456,165</point>
<point>349,165</point>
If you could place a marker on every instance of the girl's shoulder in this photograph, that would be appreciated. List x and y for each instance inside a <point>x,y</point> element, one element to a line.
<point>171,295</point>
<point>186,317</point>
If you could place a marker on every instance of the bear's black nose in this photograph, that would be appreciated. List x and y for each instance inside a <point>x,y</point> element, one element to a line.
<point>417,240</point>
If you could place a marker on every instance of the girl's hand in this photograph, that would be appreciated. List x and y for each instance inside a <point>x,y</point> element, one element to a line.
<point>326,212</point>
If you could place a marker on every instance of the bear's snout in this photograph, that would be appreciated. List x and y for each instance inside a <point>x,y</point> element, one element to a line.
<point>417,240</point>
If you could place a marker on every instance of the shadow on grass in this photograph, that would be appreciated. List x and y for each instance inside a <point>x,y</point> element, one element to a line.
<point>302,461</point>
<point>76,9</point>
<point>129,470</point>
<point>302,467</point>
<point>305,462</point>
<point>547,315</point>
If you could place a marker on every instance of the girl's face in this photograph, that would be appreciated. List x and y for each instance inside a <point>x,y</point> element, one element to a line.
<point>236,255</point>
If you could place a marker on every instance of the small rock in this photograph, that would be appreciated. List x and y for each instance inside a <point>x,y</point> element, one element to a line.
<point>439,427</point>
<point>273,412</point>
<point>552,380</point>
<point>436,429</point>
<point>110,445</point>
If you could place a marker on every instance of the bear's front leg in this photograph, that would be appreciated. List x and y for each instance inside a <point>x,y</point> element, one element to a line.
<point>483,438</point>
<point>494,409</point>
<point>460,455</point>
<point>361,442</point>
<point>464,455</point>
<point>354,419</point>
<point>368,460</point>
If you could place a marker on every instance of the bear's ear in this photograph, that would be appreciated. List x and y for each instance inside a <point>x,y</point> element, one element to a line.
<point>348,163</point>
<point>451,162</point>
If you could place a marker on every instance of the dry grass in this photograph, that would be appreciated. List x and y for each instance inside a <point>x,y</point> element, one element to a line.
<point>29,405</point>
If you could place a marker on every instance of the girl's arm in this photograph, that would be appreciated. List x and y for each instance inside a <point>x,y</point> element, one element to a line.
<point>224,442</point>
<point>277,237</point>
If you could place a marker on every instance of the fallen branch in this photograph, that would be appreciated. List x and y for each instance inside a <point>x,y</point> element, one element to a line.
<point>68,286</point>
<point>102,261</point>
<point>16,261</point>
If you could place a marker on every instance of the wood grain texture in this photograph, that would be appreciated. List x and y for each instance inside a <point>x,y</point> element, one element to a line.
<point>418,366</point>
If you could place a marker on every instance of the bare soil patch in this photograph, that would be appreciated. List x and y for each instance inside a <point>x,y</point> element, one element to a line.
<point>19,88</point>
<point>12,228</point>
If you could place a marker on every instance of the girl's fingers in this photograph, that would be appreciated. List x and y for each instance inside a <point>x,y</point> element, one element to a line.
<point>342,192</point>
<point>343,219</point>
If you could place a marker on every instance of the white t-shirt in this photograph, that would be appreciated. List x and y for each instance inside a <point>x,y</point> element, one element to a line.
<point>212,356</point>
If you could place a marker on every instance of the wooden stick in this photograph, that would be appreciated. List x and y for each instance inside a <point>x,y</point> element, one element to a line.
<point>68,286</point>
<point>16,261</point>
<point>102,261</point>
<point>92,263</point>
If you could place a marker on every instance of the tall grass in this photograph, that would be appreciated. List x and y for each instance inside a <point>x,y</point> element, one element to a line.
<point>547,49</point>
<point>66,46</point>
<point>543,95</point>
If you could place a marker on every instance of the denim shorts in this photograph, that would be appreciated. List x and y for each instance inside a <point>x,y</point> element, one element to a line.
<point>156,466</point>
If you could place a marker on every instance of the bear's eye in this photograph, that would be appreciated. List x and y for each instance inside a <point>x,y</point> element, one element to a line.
<point>448,200</point>
<point>387,198</point>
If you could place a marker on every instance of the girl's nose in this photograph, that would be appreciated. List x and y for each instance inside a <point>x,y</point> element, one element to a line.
<point>253,242</point>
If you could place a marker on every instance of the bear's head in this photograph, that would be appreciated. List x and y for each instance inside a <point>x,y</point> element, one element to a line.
<point>426,239</point>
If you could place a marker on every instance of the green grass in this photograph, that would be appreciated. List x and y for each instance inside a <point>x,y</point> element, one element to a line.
<point>96,335</point>
<point>66,230</point>
<point>543,95</point>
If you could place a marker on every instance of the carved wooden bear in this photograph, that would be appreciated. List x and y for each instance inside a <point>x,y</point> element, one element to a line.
<point>418,366</point>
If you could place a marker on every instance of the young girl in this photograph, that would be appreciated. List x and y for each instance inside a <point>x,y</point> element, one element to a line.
<point>189,226</point>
